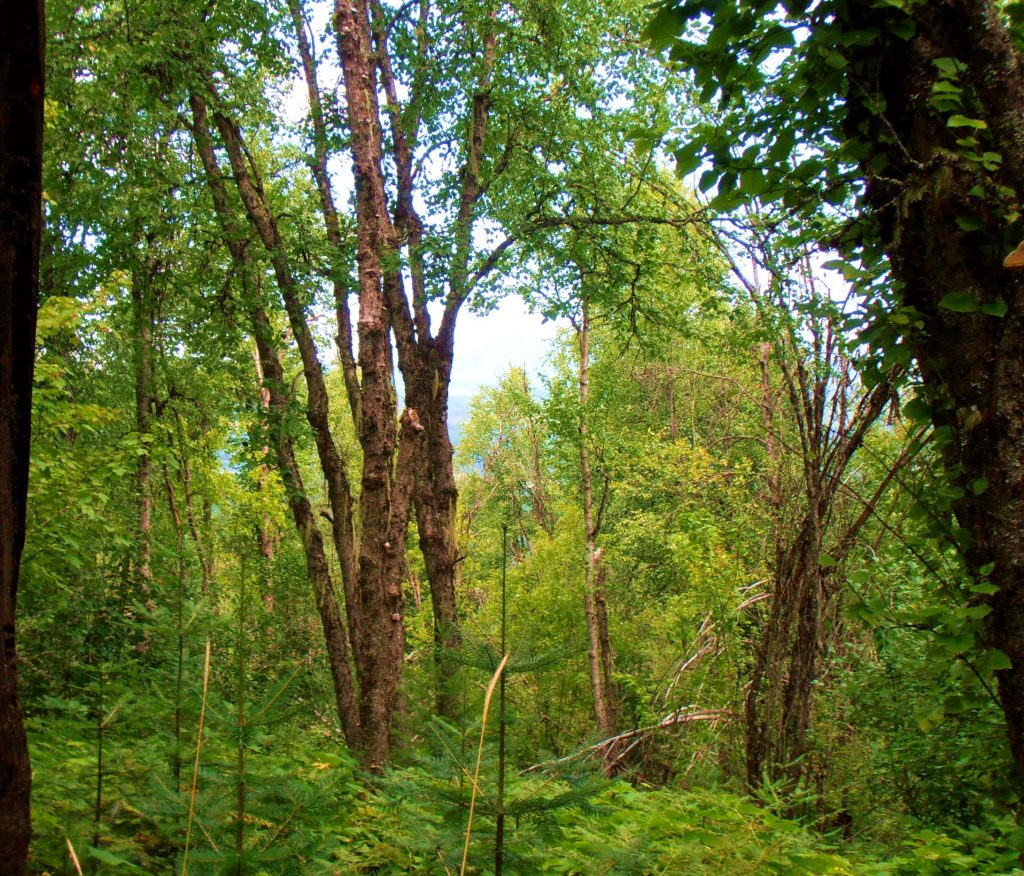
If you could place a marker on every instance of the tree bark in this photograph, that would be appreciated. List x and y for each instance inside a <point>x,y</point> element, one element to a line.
<point>334,466</point>
<point>425,360</point>
<point>779,700</point>
<point>317,568</point>
<point>267,531</point>
<point>778,703</point>
<point>143,277</point>
<point>202,553</point>
<point>971,362</point>
<point>427,381</point>
<point>272,384</point>
<point>599,654</point>
<point>21,156</point>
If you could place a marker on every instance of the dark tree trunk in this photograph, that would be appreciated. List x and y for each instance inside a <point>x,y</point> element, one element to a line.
<point>21,158</point>
<point>317,568</point>
<point>435,499</point>
<point>972,363</point>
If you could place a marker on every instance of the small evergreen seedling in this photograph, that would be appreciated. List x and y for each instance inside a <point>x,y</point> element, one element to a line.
<point>520,798</point>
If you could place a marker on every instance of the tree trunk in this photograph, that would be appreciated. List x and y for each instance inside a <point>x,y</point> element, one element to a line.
<point>435,501</point>
<point>971,362</point>
<point>373,564</point>
<point>143,277</point>
<point>317,568</point>
<point>267,531</point>
<point>777,709</point>
<point>21,139</point>
<point>820,392</point>
<point>600,655</point>
<point>202,552</point>
<point>272,382</point>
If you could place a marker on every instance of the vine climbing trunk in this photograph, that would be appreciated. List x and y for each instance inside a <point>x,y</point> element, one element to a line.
<point>946,219</point>
<point>21,161</point>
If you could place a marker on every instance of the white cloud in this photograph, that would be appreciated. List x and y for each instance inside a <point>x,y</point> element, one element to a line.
<point>486,346</point>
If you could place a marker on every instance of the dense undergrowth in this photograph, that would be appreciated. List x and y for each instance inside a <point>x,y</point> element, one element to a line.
<point>308,812</point>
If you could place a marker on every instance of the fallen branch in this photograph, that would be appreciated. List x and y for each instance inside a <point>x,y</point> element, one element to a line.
<point>682,715</point>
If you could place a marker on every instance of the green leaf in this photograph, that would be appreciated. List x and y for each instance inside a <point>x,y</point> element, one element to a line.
<point>836,195</point>
<point>948,66</point>
<point>727,200</point>
<point>995,308</point>
<point>998,660</point>
<point>929,717</point>
<point>958,644</point>
<point>969,223</point>
<point>954,705</point>
<point>959,302</point>
<point>958,121</point>
<point>666,26</point>
<point>904,29</point>
<point>708,179</point>
<point>105,857</point>
<point>753,182</point>
<point>687,159</point>
<point>918,410</point>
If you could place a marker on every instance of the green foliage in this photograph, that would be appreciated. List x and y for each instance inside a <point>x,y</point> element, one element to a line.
<point>906,746</point>
<point>301,793</point>
<point>621,830</point>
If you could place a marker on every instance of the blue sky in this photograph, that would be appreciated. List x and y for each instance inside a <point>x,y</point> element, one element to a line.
<point>486,346</point>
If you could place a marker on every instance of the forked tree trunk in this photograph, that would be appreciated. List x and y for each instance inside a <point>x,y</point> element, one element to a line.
<point>21,157</point>
<point>373,564</point>
<point>833,416</point>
